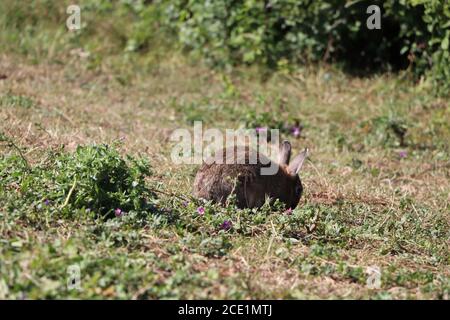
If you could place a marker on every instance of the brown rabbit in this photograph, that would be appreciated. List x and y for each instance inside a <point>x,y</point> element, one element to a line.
<point>216,180</point>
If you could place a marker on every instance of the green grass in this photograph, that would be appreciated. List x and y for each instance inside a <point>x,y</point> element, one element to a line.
<point>92,132</point>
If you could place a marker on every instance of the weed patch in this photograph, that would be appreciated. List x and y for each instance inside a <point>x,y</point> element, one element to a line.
<point>94,181</point>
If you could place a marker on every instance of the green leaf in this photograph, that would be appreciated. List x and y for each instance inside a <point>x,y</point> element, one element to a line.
<point>444,44</point>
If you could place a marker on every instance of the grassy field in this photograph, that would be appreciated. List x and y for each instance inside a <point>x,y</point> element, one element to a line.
<point>377,191</point>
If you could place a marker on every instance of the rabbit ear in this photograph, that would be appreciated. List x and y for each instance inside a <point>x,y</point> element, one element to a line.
<point>297,162</point>
<point>285,153</point>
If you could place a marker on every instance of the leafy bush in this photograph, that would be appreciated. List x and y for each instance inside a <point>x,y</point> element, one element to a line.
<point>437,53</point>
<point>273,33</point>
<point>94,179</point>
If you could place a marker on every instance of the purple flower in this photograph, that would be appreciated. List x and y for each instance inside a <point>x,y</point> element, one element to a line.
<point>226,225</point>
<point>185,203</point>
<point>296,131</point>
<point>201,211</point>
<point>47,202</point>
<point>118,212</point>
<point>403,154</point>
<point>288,211</point>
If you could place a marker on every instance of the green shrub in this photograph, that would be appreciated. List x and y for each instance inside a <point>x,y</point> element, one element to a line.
<point>437,51</point>
<point>94,179</point>
<point>413,33</point>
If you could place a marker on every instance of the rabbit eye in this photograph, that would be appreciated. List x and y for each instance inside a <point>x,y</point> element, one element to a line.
<point>298,190</point>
